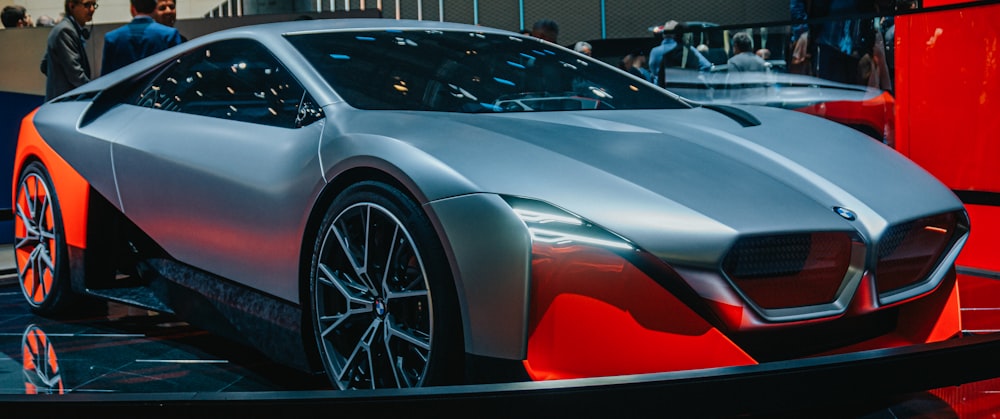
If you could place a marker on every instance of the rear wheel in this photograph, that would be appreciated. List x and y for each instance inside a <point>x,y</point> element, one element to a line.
<point>383,305</point>
<point>40,245</point>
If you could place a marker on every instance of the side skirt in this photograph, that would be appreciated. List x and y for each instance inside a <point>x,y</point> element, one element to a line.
<point>271,325</point>
<point>249,317</point>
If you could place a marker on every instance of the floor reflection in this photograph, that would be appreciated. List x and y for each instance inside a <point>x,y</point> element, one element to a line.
<point>41,366</point>
<point>127,350</point>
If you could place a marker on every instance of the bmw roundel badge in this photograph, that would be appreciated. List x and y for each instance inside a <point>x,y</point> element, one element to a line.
<point>846,213</point>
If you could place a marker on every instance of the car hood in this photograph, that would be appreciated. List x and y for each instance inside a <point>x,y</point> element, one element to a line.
<point>676,181</point>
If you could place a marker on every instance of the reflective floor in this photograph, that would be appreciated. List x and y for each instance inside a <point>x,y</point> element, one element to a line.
<point>131,350</point>
<point>126,350</point>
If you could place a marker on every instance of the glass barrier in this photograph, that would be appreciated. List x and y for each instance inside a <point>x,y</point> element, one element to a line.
<point>839,69</point>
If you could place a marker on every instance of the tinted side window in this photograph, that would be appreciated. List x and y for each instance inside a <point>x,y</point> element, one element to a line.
<point>235,79</point>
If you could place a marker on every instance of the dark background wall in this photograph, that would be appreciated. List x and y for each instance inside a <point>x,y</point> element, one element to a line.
<point>578,19</point>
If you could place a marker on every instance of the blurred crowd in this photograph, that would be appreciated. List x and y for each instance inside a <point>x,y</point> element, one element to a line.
<point>16,16</point>
<point>837,40</point>
<point>66,62</point>
<point>844,41</point>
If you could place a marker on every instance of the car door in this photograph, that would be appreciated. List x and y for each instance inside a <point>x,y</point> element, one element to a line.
<point>220,167</point>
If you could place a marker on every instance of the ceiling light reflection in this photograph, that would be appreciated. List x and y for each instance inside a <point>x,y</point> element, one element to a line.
<point>530,216</point>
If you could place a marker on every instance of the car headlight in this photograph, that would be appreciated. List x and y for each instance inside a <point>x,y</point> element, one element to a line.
<point>548,224</point>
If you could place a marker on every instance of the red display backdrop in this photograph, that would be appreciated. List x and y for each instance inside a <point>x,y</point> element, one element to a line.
<point>948,111</point>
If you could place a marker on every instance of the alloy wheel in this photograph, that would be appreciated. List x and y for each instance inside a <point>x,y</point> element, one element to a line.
<point>372,305</point>
<point>35,239</point>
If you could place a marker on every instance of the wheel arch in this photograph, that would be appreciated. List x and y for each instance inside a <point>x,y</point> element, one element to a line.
<point>72,195</point>
<point>72,190</point>
<point>325,198</point>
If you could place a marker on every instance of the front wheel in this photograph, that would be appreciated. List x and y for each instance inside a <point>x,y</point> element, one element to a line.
<point>384,310</point>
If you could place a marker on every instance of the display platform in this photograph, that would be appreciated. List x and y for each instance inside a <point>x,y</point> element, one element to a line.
<point>130,361</point>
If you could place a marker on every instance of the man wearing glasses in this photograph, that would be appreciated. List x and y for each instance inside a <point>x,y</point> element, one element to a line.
<point>66,63</point>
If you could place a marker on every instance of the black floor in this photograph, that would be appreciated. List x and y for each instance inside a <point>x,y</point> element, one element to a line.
<point>126,350</point>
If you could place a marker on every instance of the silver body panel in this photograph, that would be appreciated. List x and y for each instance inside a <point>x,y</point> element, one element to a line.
<point>235,198</point>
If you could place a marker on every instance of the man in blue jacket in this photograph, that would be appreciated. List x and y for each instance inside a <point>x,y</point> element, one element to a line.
<point>674,52</point>
<point>138,39</point>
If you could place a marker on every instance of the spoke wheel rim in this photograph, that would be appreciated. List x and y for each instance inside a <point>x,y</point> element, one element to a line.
<point>372,304</point>
<point>35,239</point>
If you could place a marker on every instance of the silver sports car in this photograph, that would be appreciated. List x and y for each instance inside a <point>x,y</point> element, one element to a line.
<point>403,203</point>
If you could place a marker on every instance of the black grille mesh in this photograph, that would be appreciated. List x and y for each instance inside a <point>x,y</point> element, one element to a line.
<point>790,270</point>
<point>768,256</point>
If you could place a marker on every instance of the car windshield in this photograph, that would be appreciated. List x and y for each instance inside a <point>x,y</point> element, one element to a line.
<point>456,71</point>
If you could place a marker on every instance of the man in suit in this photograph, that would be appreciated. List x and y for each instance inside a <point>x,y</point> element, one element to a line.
<point>138,39</point>
<point>65,63</point>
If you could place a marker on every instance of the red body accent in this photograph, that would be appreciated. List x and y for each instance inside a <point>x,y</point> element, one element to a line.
<point>595,314</point>
<point>72,190</point>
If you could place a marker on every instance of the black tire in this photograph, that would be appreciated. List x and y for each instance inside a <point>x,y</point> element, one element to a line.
<point>382,297</point>
<point>40,245</point>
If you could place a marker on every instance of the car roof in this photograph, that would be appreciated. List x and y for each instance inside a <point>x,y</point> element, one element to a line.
<point>322,25</point>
